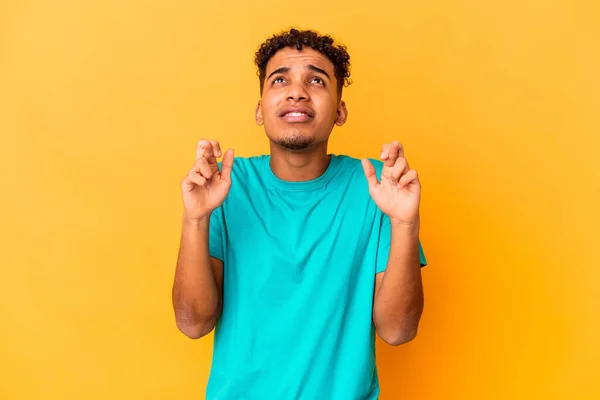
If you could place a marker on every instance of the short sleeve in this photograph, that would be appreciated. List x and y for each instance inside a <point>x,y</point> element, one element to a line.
<point>215,235</point>
<point>383,246</point>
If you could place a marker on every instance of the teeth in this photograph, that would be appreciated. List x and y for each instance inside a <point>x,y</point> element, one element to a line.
<point>295,114</point>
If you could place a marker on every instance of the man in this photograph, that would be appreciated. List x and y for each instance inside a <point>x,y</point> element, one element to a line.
<point>299,257</point>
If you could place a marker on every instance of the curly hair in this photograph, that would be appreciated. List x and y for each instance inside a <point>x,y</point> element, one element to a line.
<point>324,44</point>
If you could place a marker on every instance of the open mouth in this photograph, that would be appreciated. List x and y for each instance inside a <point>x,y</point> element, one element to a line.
<point>297,114</point>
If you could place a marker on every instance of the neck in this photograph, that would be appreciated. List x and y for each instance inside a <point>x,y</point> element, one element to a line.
<point>298,166</point>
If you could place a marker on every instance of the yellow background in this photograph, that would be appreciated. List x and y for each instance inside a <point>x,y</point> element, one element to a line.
<point>496,102</point>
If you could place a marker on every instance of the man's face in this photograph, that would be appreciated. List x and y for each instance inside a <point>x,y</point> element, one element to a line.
<point>299,104</point>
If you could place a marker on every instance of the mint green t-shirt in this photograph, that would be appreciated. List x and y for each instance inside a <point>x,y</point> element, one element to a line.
<point>300,260</point>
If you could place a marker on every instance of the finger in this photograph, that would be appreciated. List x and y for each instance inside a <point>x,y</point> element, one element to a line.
<point>203,167</point>
<point>209,153</point>
<point>197,179</point>
<point>206,148</point>
<point>216,148</point>
<point>399,168</point>
<point>385,149</point>
<point>192,180</point>
<point>392,154</point>
<point>187,184</point>
<point>400,150</point>
<point>227,165</point>
<point>370,174</point>
<point>411,177</point>
<point>211,159</point>
<point>201,146</point>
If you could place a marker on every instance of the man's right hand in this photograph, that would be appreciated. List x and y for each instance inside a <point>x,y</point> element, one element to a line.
<point>205,187</point>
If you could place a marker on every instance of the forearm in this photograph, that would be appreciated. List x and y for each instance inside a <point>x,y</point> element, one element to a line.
<point>398,304</point>
<point>195,292</point>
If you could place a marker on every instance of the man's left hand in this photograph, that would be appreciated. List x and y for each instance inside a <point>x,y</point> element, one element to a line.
<point>399,192</point>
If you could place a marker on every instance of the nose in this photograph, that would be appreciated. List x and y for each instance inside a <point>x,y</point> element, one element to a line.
<point>297,92</point>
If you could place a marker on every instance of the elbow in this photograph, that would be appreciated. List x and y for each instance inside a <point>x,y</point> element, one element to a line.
<point>192,326</point>
<point>195,331</point>
<point>398,337</point>
<point>397,332</point>
<point>195,321</point>
<point>397,329</point>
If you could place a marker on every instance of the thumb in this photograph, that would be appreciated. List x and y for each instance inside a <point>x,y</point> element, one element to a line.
<point>227,165</point>
<point>370,173</point>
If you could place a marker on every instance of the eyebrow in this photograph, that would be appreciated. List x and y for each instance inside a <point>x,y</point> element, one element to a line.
<point>319,70</point>
<point>311,67</point>
<point>279,70</point>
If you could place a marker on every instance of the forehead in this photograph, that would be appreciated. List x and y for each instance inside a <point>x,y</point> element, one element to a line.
<point>291,57</point>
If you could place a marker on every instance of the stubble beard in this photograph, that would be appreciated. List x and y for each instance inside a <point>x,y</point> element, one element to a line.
<point>295,141</point>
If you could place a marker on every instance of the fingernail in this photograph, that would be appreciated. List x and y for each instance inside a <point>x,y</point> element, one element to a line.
<point>383,155</point>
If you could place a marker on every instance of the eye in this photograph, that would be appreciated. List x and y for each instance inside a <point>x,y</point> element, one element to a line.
<point>279,79</point>
<point>318,80</point>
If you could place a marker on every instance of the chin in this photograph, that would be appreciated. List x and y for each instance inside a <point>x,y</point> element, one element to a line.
<point>295,141</point>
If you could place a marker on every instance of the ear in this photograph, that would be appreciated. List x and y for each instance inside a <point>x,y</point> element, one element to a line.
<point>342,114</point>
<point>259,116</point>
